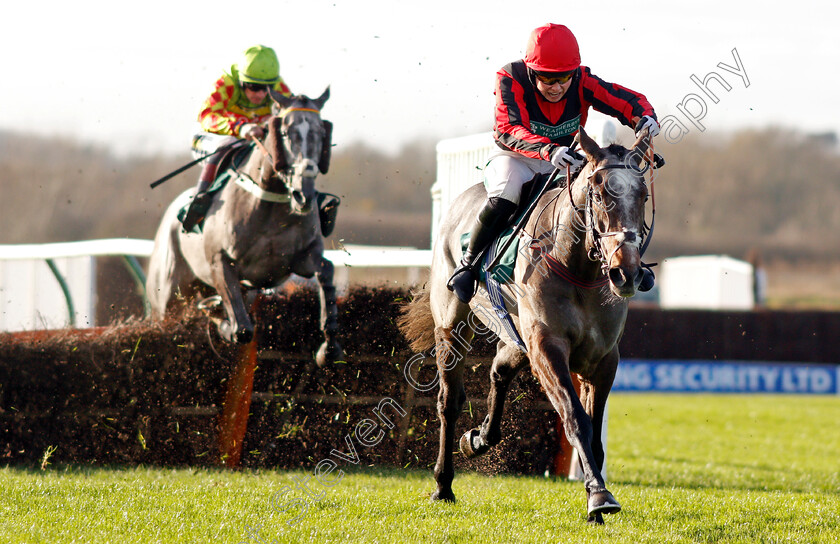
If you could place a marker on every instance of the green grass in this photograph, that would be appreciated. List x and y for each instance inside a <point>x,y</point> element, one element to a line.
<point>686,468</point>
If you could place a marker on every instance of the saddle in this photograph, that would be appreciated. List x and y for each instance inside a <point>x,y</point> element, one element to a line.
<point>503,271</point>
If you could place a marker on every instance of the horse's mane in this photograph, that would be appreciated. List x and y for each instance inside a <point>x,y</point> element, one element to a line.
<point>618,149</point>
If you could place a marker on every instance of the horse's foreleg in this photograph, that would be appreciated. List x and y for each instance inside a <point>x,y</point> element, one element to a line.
<point>451,397</point>
<point>550,362</point>
<point>330,350</point>
<point>238,326</point>
<point>594,392</point>
<point>506,364</point>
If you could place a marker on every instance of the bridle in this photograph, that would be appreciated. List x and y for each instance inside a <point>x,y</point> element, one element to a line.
<point>266,153</point>
<point>596,253</point>
<point>245,182</point>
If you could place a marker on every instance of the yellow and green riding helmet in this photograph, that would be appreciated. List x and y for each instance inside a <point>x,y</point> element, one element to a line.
<point>259,65</point>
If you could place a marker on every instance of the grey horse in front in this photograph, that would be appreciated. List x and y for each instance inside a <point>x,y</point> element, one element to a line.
<point>579,263</point>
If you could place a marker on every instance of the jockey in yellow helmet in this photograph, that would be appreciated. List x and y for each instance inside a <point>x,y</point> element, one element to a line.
<point>236,109</point>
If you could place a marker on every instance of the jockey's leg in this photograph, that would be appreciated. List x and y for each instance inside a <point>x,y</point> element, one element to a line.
<point>201,201</point>
<point>202,145</point>
<point>491,222</point>
<point>504,176</point>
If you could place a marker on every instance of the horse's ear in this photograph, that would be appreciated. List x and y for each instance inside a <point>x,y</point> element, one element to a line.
<point>321,100</point>
<point>282,100</point>
<point>589,146</point>
<point>640,147</point>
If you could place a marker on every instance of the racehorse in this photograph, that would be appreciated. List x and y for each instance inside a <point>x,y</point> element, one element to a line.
<point>569,293</point>
<point>260,228</point>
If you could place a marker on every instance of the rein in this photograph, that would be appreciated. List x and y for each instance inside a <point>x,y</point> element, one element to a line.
<point>265,151</point>
<point>245,182</point>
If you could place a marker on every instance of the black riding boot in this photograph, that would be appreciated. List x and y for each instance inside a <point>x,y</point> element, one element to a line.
<point>491,221</point>
<point>201,201</point>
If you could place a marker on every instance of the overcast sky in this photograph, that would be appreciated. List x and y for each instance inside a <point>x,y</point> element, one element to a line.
<point>135,74</point>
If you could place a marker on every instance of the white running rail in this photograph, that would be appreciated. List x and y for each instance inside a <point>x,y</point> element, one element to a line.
<point>31,301</point>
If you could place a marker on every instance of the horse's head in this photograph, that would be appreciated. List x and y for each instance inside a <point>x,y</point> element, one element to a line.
<point>299,144</point>
<point>615,209</point>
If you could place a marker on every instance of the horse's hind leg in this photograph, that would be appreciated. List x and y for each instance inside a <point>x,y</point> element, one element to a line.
<point>167,273</point>
<point>506,364</point>
<point>330,350</point>
<point>449,353</point>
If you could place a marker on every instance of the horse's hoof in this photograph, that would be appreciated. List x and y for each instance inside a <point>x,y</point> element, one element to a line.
<point>244,336</point>
<point>602,502</point>
<point>471,444</point>
<point>447,496</point>
<point>328,353</point>
<point>225,331</point>
<point>241,336</point>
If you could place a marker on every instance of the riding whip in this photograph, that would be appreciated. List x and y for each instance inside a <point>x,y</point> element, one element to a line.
<point>193,163</point>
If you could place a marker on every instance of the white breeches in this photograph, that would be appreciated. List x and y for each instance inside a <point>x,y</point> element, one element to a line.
<point>205,143</point>
<point>506,172</point>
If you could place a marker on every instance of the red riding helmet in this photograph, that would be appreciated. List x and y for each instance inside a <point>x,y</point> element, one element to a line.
<point>552,48</point>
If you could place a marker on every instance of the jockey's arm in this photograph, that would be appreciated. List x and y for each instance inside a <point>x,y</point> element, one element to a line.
<point>626,105</point>
<point>216,115</point>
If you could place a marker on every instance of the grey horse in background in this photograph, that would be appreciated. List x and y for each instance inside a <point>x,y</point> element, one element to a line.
<point>568,298</point>
<point>261,227</point>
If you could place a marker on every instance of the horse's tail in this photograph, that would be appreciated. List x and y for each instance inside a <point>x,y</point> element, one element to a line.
<point>416,322</point>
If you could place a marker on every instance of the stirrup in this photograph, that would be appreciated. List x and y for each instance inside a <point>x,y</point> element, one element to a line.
<point>458,283</point>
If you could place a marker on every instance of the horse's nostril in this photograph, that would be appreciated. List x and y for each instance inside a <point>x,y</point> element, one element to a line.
<point>299,197</point>
<point>617,277</point>
<point>639,276</point>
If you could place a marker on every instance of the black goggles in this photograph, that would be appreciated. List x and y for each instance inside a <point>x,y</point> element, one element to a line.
<point>255,87</point>
<point>553,79</point>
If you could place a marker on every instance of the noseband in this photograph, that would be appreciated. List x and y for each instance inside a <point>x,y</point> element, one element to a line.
<point>596,253</point>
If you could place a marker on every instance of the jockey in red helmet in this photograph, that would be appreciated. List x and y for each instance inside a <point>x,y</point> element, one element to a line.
<point>541,101</point>
<point>235,109</point>
<point>552,48</point>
